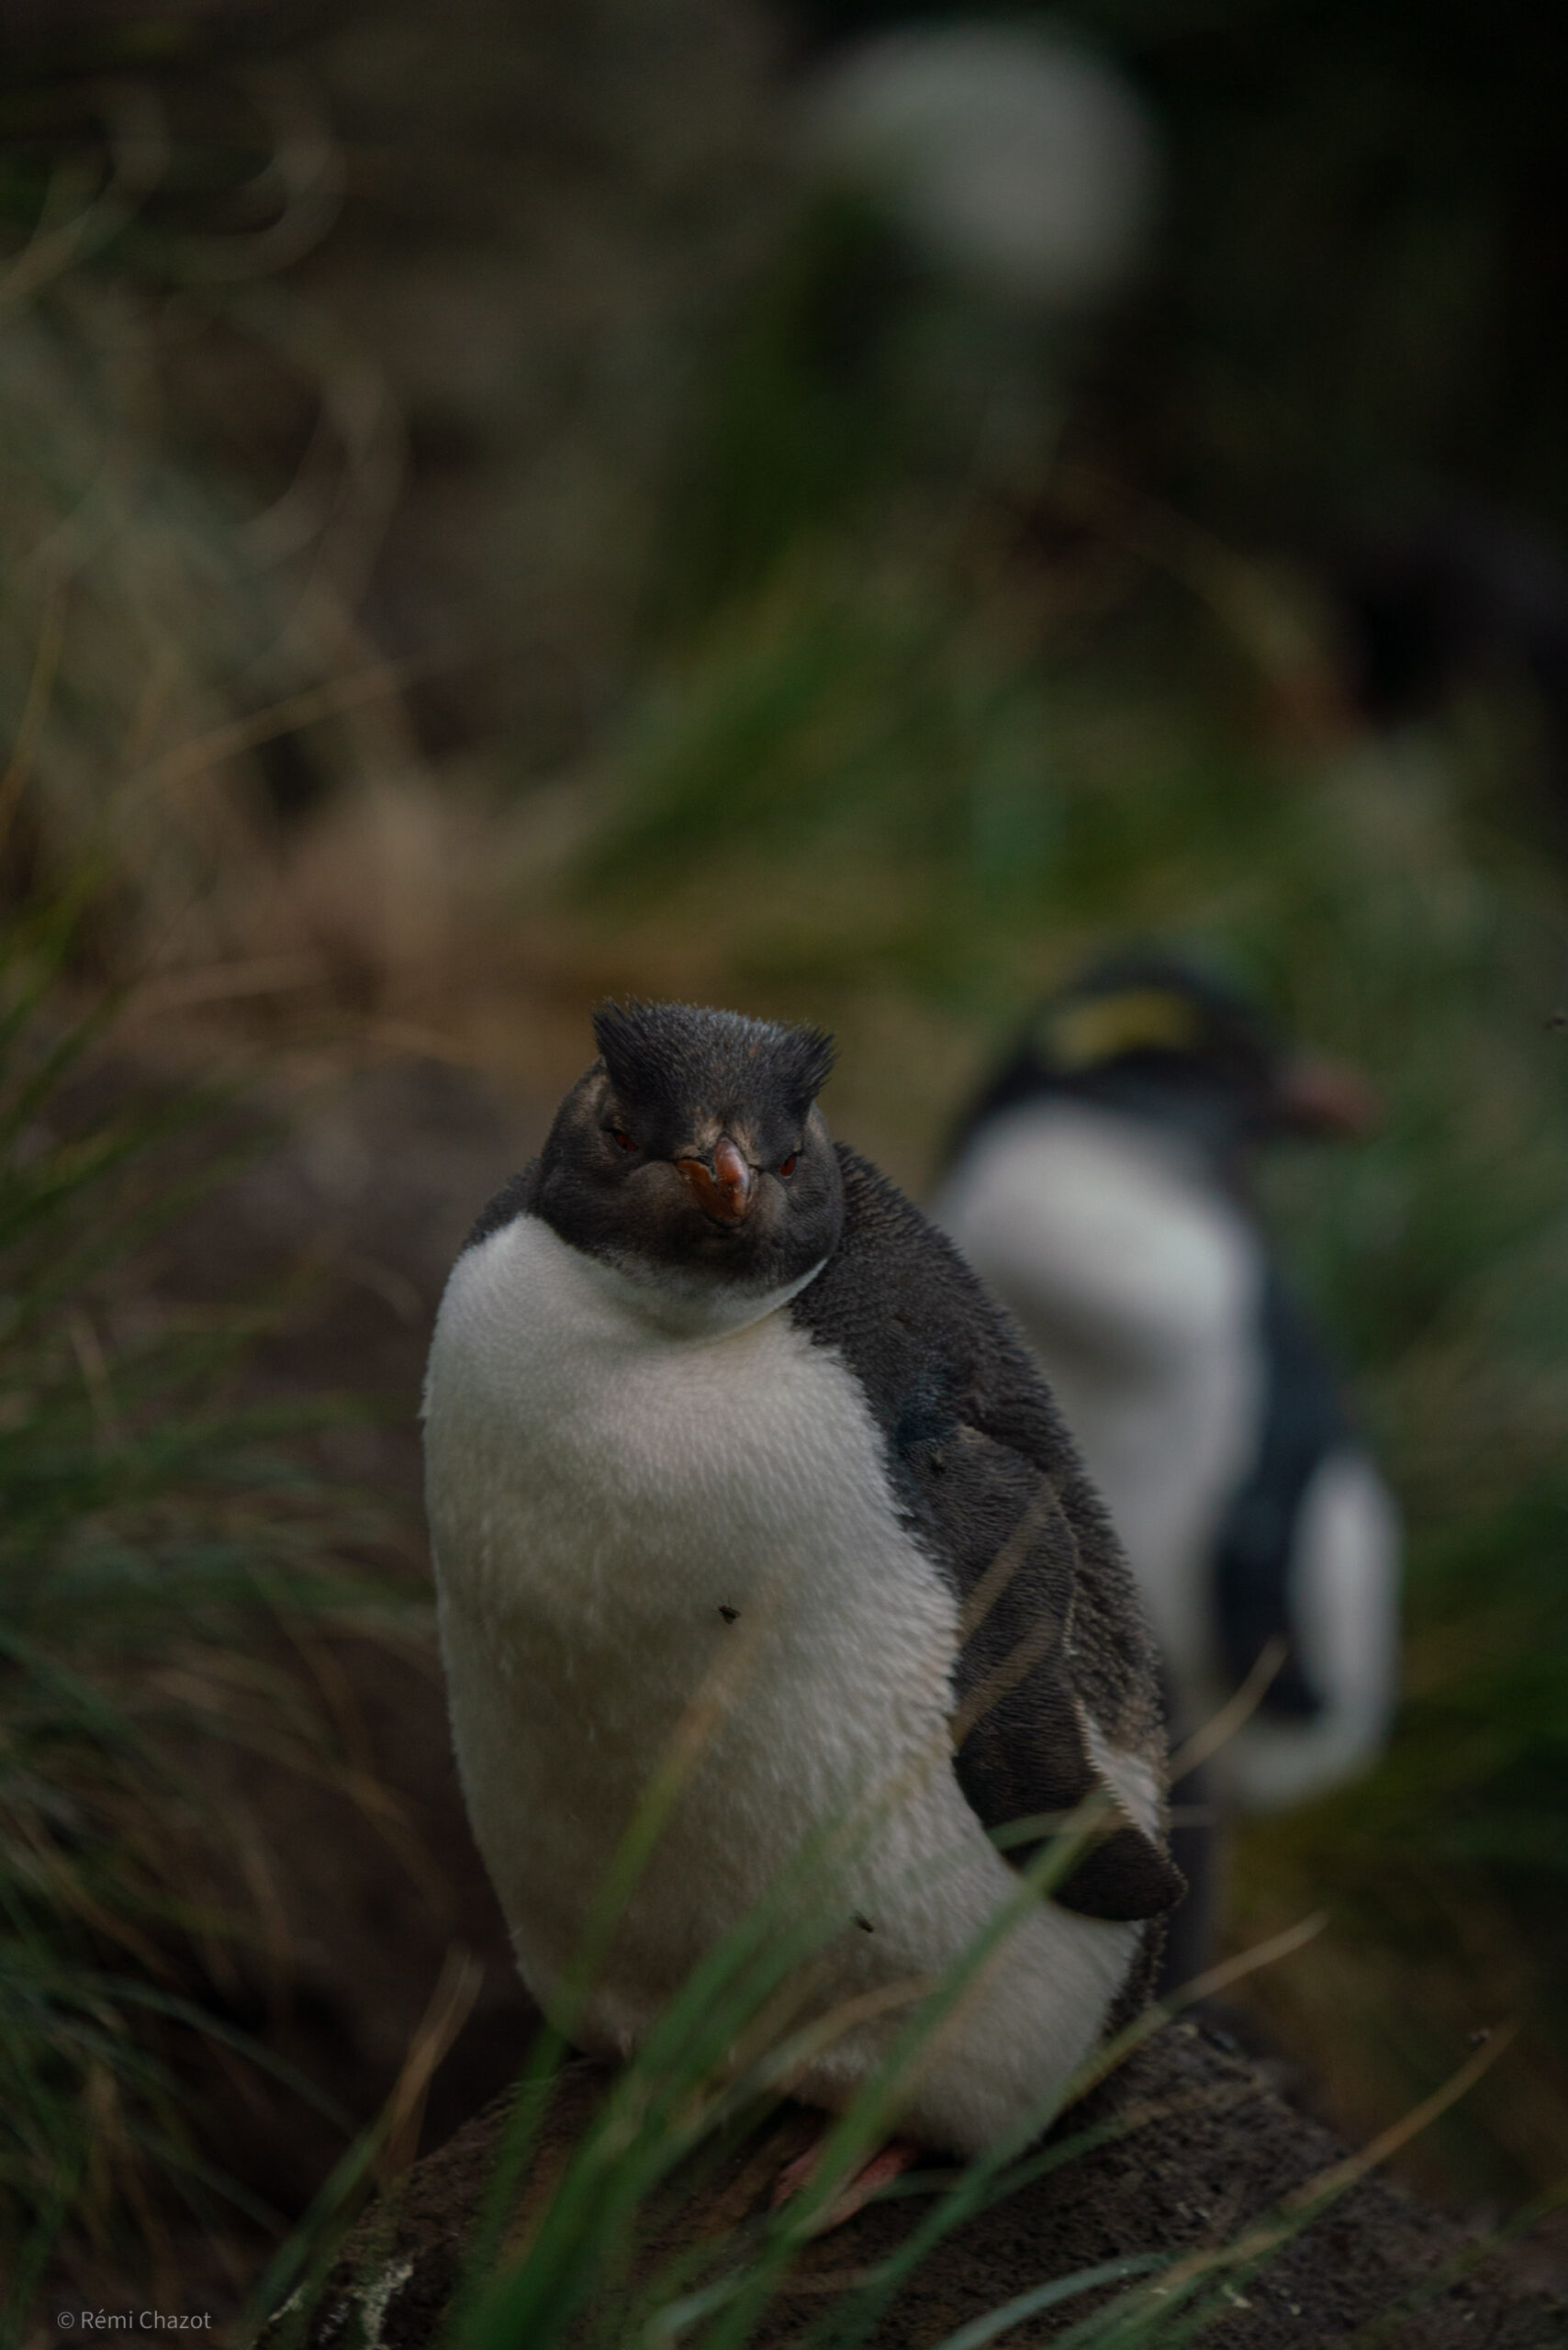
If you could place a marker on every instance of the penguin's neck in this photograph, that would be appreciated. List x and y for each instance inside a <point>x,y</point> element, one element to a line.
<point>673,1303</point>
<point>1197,1120</point>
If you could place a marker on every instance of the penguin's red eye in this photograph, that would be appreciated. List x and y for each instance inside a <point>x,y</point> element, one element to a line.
<point>622,1139</point>
<point>789,1164</point>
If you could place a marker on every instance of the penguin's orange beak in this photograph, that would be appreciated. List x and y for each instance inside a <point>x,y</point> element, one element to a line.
<point>723,1189</point>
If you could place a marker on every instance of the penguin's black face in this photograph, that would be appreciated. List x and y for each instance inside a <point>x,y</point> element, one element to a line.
<point>694,1146</point>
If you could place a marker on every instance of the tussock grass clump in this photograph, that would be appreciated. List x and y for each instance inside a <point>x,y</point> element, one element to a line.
<point>171,623</point>
<point>196,470</point>
<point>155,1541</point>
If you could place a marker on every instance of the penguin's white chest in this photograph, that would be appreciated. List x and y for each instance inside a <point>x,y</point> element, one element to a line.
<point>601,1471</point>
<point>628,1520</point>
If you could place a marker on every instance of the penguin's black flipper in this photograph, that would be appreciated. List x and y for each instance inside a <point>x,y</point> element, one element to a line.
<point>1052,1635</point>
<point>1021,1743</point>
<point>1125,1878</point>
<point>1304,1422</point>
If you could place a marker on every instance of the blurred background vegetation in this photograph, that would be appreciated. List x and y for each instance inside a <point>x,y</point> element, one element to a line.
<point>495,514</point>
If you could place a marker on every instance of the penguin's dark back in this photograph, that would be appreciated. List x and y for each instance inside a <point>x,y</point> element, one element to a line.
<point>515,1198</point>
<point>970,1431</point>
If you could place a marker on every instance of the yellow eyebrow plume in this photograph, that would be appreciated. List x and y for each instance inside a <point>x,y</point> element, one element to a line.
<point>1080,1035</point>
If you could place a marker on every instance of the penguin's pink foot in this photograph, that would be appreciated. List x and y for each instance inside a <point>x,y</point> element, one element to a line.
<point>898,2156</point>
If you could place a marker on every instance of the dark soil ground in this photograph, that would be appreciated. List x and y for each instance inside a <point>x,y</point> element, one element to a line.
<point>1219,2149</point>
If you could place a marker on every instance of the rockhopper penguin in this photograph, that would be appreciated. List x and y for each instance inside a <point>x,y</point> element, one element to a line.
<point>1100,1186</point>
<point>698,1365</point>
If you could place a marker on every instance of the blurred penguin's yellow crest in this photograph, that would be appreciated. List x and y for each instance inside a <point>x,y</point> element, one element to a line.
<point>1081,1036</point>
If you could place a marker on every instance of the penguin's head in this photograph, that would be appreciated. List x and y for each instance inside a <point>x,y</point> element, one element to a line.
<point>693,1150</point>
<point>1159,1038</point>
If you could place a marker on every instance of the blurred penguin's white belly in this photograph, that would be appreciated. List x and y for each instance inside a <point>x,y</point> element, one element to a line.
<point>1345,1578</point>
<point>1137,1285</point>
<point>632,1524</point>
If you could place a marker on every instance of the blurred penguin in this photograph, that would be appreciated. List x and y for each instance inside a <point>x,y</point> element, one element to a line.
<point>1014,160</point>
<point>972,199</point>
<point>1100,1186</point>
<point>1017,175</point>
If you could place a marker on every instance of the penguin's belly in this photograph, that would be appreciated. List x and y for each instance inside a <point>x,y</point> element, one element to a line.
<point>643,1534</point>
<point>1137,1286</point>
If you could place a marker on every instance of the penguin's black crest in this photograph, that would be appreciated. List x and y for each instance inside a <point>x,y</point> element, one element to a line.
<point>692,1149</point>
<point>662,1056</point>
